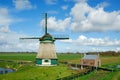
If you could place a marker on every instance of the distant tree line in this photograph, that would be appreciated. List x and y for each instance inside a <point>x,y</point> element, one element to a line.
<point>17,52</point>
<point>107,53</point>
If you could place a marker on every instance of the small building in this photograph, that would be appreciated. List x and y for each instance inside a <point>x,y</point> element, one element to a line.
<point>91,60</point>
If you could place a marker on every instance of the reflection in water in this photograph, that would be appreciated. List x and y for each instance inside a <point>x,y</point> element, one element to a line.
<point>4,70</point>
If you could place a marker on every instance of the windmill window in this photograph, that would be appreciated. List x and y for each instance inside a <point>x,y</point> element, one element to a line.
<point>46,60</point>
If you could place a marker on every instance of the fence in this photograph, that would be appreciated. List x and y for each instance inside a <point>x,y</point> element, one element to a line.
<point>88,70</point>
<point>75,76</point>
<point>19,62</point>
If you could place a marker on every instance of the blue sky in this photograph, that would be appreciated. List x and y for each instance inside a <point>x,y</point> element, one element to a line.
<point>92,25</point>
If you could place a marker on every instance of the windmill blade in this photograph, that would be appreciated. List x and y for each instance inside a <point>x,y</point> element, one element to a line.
<point>61,37</point>
<point>31,38</point>
<point>45,23</point>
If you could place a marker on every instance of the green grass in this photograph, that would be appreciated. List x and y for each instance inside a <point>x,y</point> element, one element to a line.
<point>32,72</point>
<point>31,57</point>
<point>101,75</point>
<point>111,60</point>
<point>67,57</point>
<point>20,56</point>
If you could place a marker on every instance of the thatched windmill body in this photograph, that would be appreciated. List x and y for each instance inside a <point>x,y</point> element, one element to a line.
<point>46,53</point>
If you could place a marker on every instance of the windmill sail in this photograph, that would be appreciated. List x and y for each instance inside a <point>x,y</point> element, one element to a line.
<point>45,23</point>
<point>31,38</point>
<point>60,37</point>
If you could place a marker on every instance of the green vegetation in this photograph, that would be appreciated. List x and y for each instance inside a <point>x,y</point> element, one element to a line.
<point>32,72</point>
<point>31,56</point>
<point>110,60</point>
<point>100,75</point>
<point>17,56</point>
<point>63,56</point>
<point>37,73</point>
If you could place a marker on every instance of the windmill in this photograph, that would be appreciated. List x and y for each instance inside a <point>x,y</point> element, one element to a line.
<point>46,53</point>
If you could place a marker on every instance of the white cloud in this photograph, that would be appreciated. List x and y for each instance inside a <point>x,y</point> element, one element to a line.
<point>22,4</point>
<point>65,7</point>
<point>104,4</point>
<point>5,21</point>
<point>51,2</point>
<point>10,42</point>
<point>3,11</point>
<point>86,18</point>
<point>4,29</point>
<point>84,41</point>
<point>4,18</point>
<point>57,25</point>
<point>117,49</point>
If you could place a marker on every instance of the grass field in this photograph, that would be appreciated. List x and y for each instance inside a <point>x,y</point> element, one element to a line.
<point>32,72</point>
<point>31,56</point>
<point>20,56</point>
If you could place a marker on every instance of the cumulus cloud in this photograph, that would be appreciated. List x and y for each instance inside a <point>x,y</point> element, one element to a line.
<point>4,17</point>
<point>87,18</point>
<point>5,20</point>
<point>4,29</point>
<point>51,2</point>
<point>10,42</point>
<point>85,41</point>
<point>22,4</point>
<point>84,18</point>
<point>3,11</point>
<point>103,4</point>
<point>57,25</point>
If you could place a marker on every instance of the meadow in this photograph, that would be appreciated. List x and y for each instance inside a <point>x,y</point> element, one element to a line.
<point>32,72</point>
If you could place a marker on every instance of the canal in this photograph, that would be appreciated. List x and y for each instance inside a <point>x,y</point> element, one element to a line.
<point>5,70</point>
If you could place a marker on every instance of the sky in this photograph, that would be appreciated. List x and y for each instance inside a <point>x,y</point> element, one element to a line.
<point>92,25</point>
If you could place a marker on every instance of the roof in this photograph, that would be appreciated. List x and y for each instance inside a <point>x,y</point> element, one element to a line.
<point>90,57</point>
<point>47,37</point>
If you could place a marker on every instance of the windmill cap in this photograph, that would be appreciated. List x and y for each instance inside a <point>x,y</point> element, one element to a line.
<point>47,37</point>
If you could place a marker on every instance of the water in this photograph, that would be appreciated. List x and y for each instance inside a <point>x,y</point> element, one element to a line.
<point>4,70</point>
<point>118,66</point>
